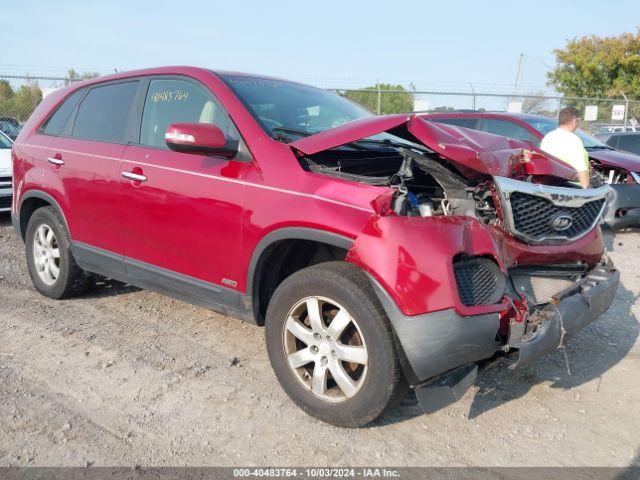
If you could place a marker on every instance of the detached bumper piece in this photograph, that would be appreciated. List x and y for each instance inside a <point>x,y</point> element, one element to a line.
<point>447,388</point>
<point>570,311</point>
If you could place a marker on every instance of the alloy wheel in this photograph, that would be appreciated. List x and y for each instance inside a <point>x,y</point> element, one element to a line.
<point>46,254</point>
<point>325,349</point>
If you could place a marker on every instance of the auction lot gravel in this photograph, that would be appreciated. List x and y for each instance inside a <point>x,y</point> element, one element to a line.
<point>125,376</point>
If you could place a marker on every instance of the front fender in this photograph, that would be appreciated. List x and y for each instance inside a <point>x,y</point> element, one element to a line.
<point>412,259</point>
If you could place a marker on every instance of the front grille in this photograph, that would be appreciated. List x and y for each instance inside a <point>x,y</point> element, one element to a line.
<point>533,216</point>
<point>537,213</point>
<point>479,280</point>
<point>5,182</point>
<point>5,202</point>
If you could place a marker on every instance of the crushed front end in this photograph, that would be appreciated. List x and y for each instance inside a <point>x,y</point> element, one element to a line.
<point>479,244</point>
<point>516,267</point>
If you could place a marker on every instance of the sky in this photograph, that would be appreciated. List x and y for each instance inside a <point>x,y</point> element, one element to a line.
<point>444,45</point>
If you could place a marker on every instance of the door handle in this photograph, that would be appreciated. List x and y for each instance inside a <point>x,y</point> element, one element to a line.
<point>134,176</point>
<point>55,161</point>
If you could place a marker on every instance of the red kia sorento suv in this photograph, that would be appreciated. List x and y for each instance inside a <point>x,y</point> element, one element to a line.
<point>380,252</point>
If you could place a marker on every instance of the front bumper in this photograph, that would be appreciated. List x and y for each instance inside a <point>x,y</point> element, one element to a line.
<point>5,203</point>
<point>6,193</point>
<point>440,349</point>
<point>623,206</point>
<point>574,309</point>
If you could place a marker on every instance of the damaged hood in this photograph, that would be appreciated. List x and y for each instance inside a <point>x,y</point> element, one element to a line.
<point>468,149</point>
<point>616,158</point>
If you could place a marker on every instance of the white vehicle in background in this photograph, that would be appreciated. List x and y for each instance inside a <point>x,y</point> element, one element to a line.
<point>6,174</point>
<point>601,129</point>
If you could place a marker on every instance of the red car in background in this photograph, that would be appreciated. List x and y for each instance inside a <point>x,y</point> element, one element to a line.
<point>620,170</point>
<point>380,252</point>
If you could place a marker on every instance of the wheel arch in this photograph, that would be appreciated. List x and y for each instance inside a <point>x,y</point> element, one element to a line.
<point>29,203</point>
<point>265,270</point>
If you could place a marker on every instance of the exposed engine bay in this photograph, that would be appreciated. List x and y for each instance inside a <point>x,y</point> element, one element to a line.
<point>424,186</point>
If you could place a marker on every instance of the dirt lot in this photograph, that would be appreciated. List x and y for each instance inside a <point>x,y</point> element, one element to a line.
<point>129,377</point>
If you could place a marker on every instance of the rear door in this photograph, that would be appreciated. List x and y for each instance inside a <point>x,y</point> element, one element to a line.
<point>84,164</point>
<point>183,221</point>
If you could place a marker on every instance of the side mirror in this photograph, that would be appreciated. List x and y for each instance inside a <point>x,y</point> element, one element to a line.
<point>198,138</point>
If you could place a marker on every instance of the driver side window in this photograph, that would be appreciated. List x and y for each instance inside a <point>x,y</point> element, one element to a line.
<point>180,101</point>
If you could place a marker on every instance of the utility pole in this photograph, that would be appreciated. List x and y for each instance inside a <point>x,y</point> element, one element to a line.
<point>515,83</point>
<point>473,92</point>
<point>626,109</point>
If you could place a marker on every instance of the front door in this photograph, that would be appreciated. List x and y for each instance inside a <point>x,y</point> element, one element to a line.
<point>183,212</point>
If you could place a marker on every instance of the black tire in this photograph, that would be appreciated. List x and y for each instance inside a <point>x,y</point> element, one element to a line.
<point>72,280</point>
<point>384,384</point>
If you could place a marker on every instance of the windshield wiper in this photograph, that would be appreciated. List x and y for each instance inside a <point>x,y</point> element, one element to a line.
<point>292,130</point>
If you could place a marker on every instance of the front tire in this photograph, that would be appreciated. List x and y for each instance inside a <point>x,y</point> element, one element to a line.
<point>52,268</point>
<point>332,347</point>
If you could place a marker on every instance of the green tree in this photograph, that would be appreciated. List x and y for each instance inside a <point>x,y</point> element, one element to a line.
<point>25,100</point>
<point>6,92</point>
<point>393,98</point>
<point>593,66</point>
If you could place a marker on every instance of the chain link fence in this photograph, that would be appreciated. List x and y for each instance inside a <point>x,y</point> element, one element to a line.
<point>597,113</point>
<point>20,94</point>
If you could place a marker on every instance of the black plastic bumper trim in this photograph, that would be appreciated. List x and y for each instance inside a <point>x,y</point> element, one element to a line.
<point>447,388</point>
<point>571,315</point>
<point>16,224</point>
<point>437,342</point>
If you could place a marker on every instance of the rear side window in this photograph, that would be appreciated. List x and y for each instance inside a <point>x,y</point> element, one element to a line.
<point>507,129</point>
<point>612,141</point>
<point>629,143</point>
<point>54,125</point>
<point>180,101</point>
<point>460,122</point>
<point>104,113</point>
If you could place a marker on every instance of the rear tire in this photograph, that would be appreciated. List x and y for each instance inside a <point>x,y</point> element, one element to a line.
<point>341,364</point>
<point>53,270</point>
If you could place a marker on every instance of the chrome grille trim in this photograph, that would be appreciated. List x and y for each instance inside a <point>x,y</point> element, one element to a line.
<point>558,196</point>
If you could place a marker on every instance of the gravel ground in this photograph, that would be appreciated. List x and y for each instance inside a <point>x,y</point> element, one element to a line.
<point>125,376</point>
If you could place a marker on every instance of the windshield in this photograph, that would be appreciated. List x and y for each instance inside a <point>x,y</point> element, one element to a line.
<point>288,110</point>
<point>545,125</point>
<point>281,104</point>
<point>4,141</point>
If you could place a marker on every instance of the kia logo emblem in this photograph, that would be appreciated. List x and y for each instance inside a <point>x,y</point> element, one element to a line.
<point>561,222</point>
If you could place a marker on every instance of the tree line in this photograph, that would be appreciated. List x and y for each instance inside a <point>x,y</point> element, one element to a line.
<point>19,103</point>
